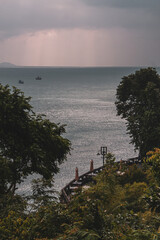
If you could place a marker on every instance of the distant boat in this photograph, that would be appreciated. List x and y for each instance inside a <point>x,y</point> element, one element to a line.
<point>38,78</point>
<point>20,81</point>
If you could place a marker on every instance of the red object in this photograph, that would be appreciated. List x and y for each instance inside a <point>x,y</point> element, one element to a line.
<point>76,174</point>
<point>91,165</point>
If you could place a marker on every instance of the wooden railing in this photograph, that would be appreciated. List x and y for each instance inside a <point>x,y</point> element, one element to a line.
<point>84,179</point>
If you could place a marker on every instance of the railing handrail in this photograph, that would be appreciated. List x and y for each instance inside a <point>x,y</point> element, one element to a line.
<point>96,170</point>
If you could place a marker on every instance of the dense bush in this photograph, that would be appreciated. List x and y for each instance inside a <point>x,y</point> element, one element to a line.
<point>124,204</point>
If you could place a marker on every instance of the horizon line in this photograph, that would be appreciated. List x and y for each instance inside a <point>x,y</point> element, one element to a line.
<point>10,65</point>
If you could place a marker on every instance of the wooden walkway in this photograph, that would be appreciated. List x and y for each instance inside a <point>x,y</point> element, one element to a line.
<point>68,191</point>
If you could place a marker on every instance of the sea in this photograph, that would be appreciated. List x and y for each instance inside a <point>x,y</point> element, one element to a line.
<point>84,100</point>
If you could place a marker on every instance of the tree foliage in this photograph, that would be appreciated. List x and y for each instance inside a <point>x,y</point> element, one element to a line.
<point>153,157</point>
<point>124,202</point>
<point>113,208</point>
<point>29,143</point>
<point>138,101</point>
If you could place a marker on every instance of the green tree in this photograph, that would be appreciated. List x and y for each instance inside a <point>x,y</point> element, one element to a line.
<point>153,158</point>
<point>138,101</point>
<point>29,143</point>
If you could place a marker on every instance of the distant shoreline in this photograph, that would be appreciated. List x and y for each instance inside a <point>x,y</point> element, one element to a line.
<point>10,65</point>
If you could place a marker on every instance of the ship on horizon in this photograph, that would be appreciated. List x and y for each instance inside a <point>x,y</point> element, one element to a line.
<point>38,78</point>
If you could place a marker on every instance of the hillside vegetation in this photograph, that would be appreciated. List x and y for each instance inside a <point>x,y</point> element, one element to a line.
<point>124,204</point>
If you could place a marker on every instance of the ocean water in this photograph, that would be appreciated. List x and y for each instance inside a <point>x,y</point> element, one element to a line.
<point>83,99</point>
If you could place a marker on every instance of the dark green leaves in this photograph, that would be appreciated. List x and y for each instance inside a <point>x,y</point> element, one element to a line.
<point>29,142</point>
<point>138,101</point>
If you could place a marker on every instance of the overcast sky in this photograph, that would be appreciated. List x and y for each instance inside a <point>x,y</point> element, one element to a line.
<point>80,32</point>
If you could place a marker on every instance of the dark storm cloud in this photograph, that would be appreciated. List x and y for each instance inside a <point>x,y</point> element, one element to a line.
<point>136,12</point>
<point>29,16</point>
<point>123,3</point>
<point>22,16</point>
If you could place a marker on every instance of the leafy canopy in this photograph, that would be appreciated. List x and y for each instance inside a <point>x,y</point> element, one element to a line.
<point>123,203</point>
<point>138,101</point>
<point>29,143</point>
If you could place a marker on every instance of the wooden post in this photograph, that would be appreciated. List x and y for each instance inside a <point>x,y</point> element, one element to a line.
<point>120,167</point>
<point>76,174</point>
<point>91,165</point>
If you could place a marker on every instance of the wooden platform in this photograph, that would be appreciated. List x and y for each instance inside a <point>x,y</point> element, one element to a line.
<point>68,191</point>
